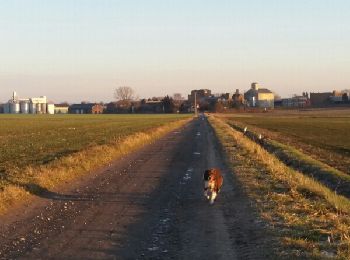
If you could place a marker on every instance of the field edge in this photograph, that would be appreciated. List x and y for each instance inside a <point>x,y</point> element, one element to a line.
<point>38,180</point>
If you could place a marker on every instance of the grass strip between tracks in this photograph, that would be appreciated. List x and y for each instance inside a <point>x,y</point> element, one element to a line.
<point>40,179</point>
<point>306,219</point>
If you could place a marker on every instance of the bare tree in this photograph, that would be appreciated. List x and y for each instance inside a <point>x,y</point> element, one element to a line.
<point>124,93</point>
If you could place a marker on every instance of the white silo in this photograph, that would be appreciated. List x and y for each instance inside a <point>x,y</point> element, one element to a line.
<point>51,109</point>
<point>38,108</point>
<point>43,108</point>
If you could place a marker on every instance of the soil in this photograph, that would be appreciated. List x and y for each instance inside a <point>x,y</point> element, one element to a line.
<point>148,205</point>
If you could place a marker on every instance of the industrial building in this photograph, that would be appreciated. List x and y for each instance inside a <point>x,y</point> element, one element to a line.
<point>89,108</point>
<point>33,105</point>
<point>61,108</point>
<point>259,97</point>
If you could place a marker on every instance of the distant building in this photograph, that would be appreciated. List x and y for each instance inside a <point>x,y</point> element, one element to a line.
<point>61,108</point>
<point>201,95</point>
<point>33,105</point>
<point>152,106</point>
<point>336,97</point>
<point>89,108</point>
<point>296,101</point>
<point>320,99</point>
<point>259,97</point>
<point>237,99</point>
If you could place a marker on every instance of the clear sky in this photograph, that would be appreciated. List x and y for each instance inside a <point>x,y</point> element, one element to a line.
<point>82,49</point>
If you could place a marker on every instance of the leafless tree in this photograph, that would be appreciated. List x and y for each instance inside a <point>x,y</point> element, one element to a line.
<point>124,93</point>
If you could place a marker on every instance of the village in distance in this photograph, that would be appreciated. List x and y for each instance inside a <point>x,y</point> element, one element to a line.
<point>256,99</point>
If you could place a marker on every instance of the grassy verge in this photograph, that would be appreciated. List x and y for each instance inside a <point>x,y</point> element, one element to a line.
<point>307,220</point>
<point>18,185</point>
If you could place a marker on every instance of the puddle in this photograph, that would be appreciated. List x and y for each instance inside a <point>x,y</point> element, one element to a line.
<point>197,153</point>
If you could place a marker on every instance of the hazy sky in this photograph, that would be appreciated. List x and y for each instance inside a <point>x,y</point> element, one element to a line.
<point>82,49</point>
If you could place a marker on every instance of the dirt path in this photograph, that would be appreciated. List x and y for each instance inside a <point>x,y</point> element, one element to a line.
<point>148,205</point>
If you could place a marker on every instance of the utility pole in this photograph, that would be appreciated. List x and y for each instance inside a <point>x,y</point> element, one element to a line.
<point>195,103</point>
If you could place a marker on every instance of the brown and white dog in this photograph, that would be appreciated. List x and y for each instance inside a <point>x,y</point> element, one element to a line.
<point>212,183</point>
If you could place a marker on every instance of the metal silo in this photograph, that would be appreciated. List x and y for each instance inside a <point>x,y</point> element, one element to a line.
<point>7,108</point>
<point>43,108</point>
<point>24,105</point>
<point>38,108</point>
<point>14,108</point>
<point>32,108</point>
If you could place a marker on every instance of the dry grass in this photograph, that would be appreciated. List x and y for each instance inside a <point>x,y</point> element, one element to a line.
<point>38,179</point>
<point>307,220</point>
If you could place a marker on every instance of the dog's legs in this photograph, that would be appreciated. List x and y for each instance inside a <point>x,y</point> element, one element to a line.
<point>206,189</point>
<point>206,193</point>
<point>213,197</point>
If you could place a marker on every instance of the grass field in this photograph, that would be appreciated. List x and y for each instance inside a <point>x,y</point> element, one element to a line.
<point>39,152</point>
<point>324,135</point>
<point>303,218</point>
<point>35,140</point>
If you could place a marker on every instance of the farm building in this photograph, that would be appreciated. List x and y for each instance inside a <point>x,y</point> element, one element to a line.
<point>297,101</point>
<point>326,99</point>
<point>122,107</point>
<point>320,99</point>
<point>33,105</point>
<point>61,108</point>
<point>259,97</point>
<point>89,108</point>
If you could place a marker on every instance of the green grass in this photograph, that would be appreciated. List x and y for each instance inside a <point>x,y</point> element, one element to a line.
<point>32,140</point>
<point>40,153</point>
<point>330,133</point>
<point>323,136</point>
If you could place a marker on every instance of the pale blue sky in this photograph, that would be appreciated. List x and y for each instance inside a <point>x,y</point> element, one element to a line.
<point>82,49</point>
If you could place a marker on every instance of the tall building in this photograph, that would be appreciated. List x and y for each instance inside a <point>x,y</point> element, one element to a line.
<point>201,95</point>
<point>259,97</point>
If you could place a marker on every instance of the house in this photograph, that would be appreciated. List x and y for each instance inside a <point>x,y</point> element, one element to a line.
<point>151,106</point>
<point>237,99</point>
<point>86,108</point>
<point>259,97</point>
<point>61,108</point>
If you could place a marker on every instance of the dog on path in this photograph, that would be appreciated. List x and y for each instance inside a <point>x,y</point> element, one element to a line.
<point>212,184</point>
